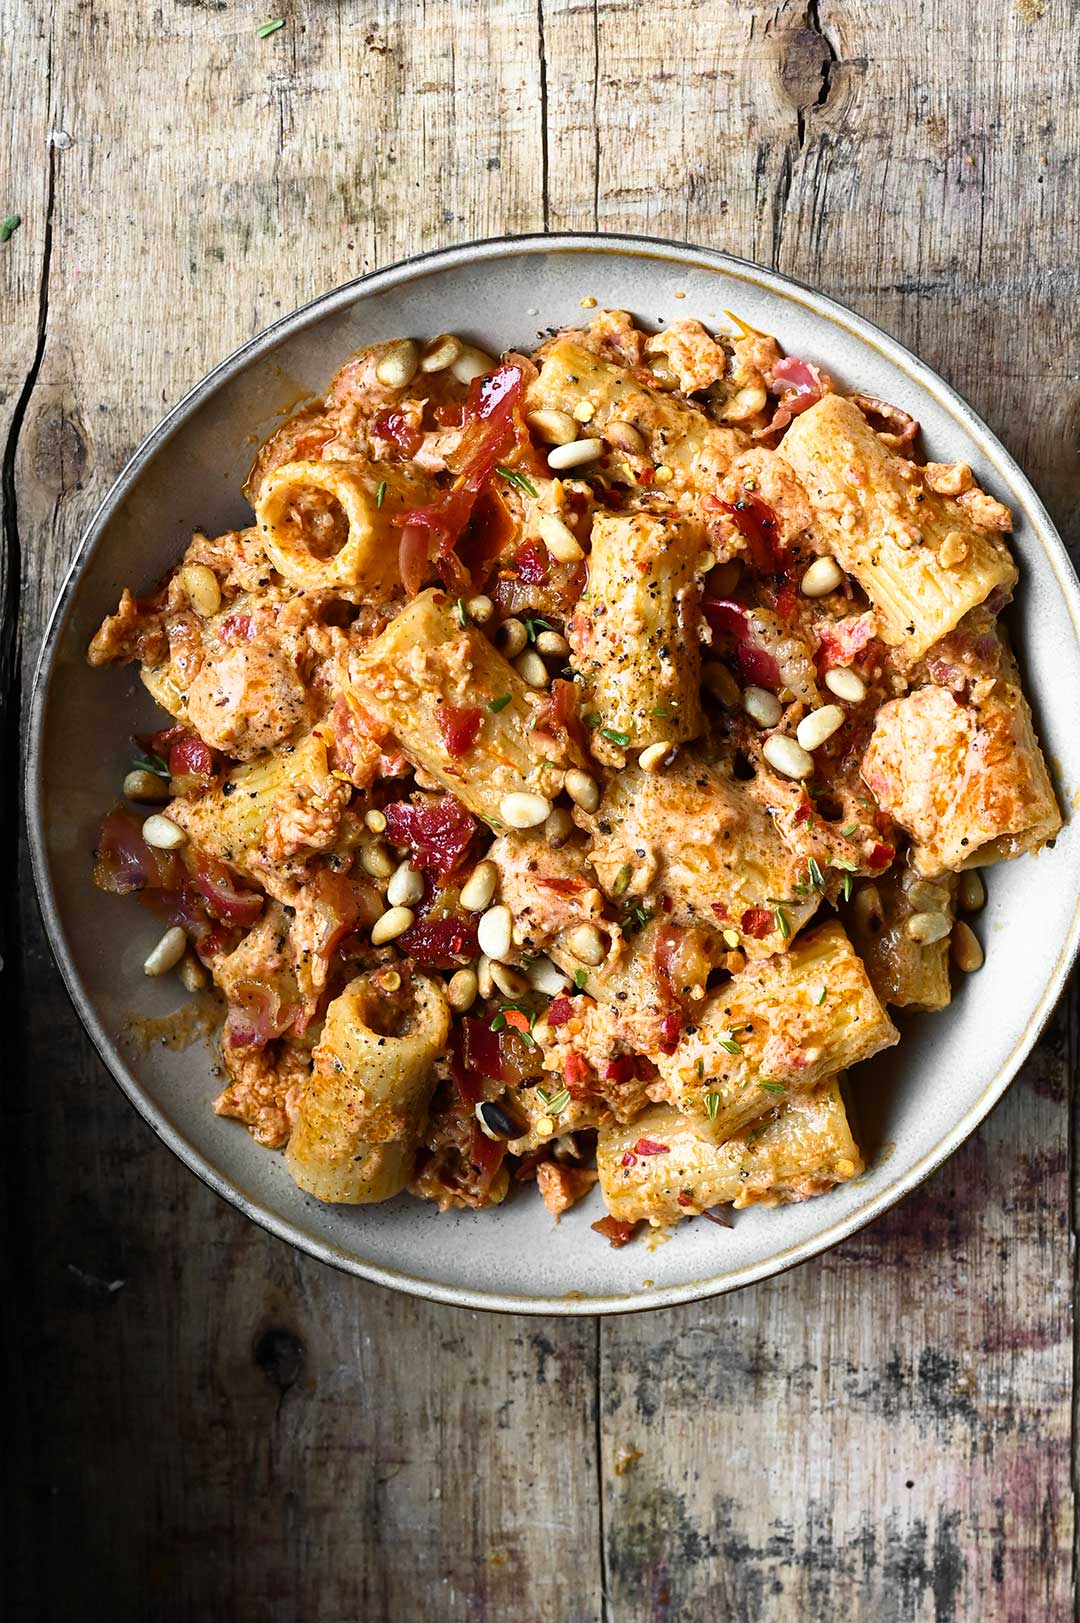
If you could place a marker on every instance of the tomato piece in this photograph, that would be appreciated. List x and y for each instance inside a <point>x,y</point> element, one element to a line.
<point>531,562</point>
<point>650,1146</point>
<point>437,832</point>
<point>757,922</point>
<point>399,427</point>
<point>615,1231</point>
<point>446,942</point>
<point>559,1011</point>
<point>459,726</point>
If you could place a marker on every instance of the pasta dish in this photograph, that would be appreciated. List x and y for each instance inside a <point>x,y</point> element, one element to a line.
<point>571,766</point>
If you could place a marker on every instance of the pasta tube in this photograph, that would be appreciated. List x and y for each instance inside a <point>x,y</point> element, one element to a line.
<point>424,668</point>
<point>918,555</point>
<point>775,1030</point>
<point>662,1168</point>
<point>363,1110</point>
<point>904,973</point>
<point>634,634</point>
<point>327,525</point>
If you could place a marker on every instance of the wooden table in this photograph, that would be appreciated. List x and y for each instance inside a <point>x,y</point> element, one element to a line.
<point>206,1425</point>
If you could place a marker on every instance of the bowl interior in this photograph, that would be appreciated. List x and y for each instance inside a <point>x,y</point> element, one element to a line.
<point>913,1105</point>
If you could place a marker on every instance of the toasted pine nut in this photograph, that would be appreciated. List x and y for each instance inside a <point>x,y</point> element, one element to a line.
<point>552,427</point>
<point>484,982</point>
<point>546,977</point>
<point>510,982</point>
<point>846,684</point>
<point>654,756</point>
<point>441,352</point>
<point>146,786</point>
<point>762,706</point>
<point>480,609</point>
<point>926,928</point>
<point>471,364</point>
<point>168,952</point>
<point>544,1126</point>
<point>559,539</point>
<point>553,644</point>
<point>587,945</point>
<point>624,437</point>
<point>719,681</point>
<point>479,888</point>
<point>582,788</point>
<point>495,932</point>
<point>927,898</point>
<point>971,892</point>
<point>375,820</point>
<point>819,725</point>
<point>559,826</point>
<point>574,455</point>
<point>406,886</point>
<point>966,949</point>
<point>397,366</point>
<point>203,592</point>
<point>866,908</point>
<point>376,860</point>
<point>705,564</point>
<point>162,833</point>
<point>511,638</point>
<point>524,810</point>
<point>823,576</point>
<point>193,977</point>
<point>394,922</point>
<point>584,411</point>
<point>787,756</point>
<point>663,475</point>
<point>462,989</point>
<point>531,668</point>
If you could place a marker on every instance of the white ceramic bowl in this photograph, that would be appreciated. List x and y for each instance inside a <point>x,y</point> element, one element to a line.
<point>916,1104</point>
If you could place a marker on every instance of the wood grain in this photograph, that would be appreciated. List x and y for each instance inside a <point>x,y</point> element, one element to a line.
<point>218,1423</point>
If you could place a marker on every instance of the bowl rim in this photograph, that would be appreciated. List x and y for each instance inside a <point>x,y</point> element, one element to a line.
<point>679,255</point>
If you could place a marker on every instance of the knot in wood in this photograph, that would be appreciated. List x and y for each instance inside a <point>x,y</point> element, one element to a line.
<point>280,1354</point>
<point>59,454</point>
<point>805,65</point>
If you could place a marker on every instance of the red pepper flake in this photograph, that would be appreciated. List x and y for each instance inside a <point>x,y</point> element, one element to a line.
<point>629,1159</point>
<point>615,1230</point>
<point>622,1069</point>
<point>649,1146</point>
<point>559,1011</point>
<point>670,1031</point>
<point>665,904</point>
<point>881,856</point>
<point>757,922</point>
<point>720,910</point>
<point>646,476</point>
<point>684,1198</point>
<point>575,1074</point>
<point>459,726</point>
<point>803,813</point>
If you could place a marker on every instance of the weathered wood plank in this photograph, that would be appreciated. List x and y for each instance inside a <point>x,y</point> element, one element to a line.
<point>913,168</point>
<point>211,1419</point>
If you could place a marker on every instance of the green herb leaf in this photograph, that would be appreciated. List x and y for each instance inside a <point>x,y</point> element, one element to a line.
<point>152,763</point>
<point>462,613</point>
<point>782,924</point>
<point>500,703</point>
<point>660,711</point>
<point>852,828</point>
<point>842,862</point>
<point>520,481</point>
<point>591,719</point>
<point>772,1087</point>
<point>270,28</point>
<point>712,1105</point>
<point>819,1000</point>
<point>700,1069</point>
<point>622,739</point>
<point>498,1021</point>
<point>533,626</point>
<point>9,225</point>
<point>845,888</point>
<point>729,1045</point>
<point>814,871</point>
<point>581,976</point>
<point>380,494</point>
<point>554,1103</point>
<point>622,879</point>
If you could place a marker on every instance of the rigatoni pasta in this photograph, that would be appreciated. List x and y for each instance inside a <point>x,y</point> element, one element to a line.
<point>569,768</point>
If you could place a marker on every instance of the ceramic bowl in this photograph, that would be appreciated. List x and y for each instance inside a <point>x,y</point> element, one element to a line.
<point>915,1105</point>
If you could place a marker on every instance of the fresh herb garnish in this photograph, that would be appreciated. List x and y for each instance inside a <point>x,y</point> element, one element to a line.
<point>462,613</point>
<point>636,918</point>
<point>661,712</point>
<point>819,1000</point>
<point>515,477</point>
<point>152,763</point>
<point>499,703</point>
<point>772,1087</point>
<point>580,978</point>
<point>729,1045</point>
<point>816,879</point>
<point>270,28</point>
<point>846,887</point>
<point>613,737</point>
<point>622,880</point>
<point>533,626</point>
<point>852,828</point>
<point>498,1021</point>
<point>9,225</point>
<point>554,1103</point>
<point>712,1105</point>
<point>380,494</point>
<point>591,719</point>
<point>782,924</point>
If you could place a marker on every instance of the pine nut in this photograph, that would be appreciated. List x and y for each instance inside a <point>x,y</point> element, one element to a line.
<point>495,933</point>
<point>524,810</point>
<point>866,908</point>
<point>397,366</point>
<point>819,725</point>
<point>624,437</point>
<point>479,888</point>
<point>375,859</point>
<point>193,977</point>
<point>553,644</point>
<point>147,786</point>
<point>583,789</point>
<point>926,928</point>
<point>559,539</point>
<point>927,898</point>
<point>480,609</point>
<point>574,455</point>
<point>705,564</point>
<point>762,706</point>
<point>846,684</point>
<point>654,756</point>
<point>375,820</point>
<point>471,364</point>
<point>971,892</point>
<point>583,412</point>
<point>394,922</point>
<point>511,638</point>
<point>823,577</point>
<point>546,977</point>
<point>531,668</point>
<point>462,989</point>
<point>587,945</point>
<point>966,949</point>
<point>510,982</point>
<point>439,353</point>
<point>559,826</point>
<point>543,1126</point>
<point>162,833</point>
<point>552,427</point>
<point>787,757</point>
<point>542,1034</point>
<point>484,982</point>
<point>168,952</point>
<point>203,592</point>
<point>719,681</point>
<point>663,475</point>
<point>406,886</point>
